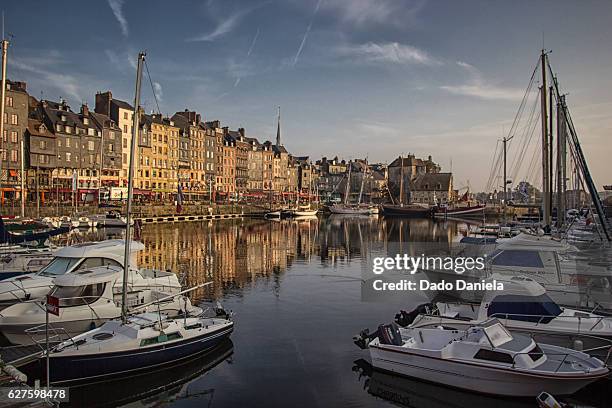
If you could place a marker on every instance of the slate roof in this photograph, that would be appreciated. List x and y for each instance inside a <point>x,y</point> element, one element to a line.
<point>433,182</point>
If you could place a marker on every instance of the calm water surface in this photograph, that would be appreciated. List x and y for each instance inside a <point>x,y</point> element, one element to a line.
<point>294,287</point>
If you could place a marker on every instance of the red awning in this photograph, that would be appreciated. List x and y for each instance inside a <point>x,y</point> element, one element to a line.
<point>13,173</point>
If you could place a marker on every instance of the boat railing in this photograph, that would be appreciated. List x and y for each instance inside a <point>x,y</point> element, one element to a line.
<point>564,355</point>
<point>541,318</point>
<point>55,335</point>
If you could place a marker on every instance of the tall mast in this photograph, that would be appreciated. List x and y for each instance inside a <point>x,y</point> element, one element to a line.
<point>347,190</point>
<point>23,177</point>
<point>545,172</point>
<point>5,45</point>
<point>401,197</point>
<point>128,228</point>
<point>551,166</point>
<point>561,146</point>
<point>365,170</point>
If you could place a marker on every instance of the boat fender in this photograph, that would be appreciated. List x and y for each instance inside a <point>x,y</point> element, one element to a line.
<point>578,345</point>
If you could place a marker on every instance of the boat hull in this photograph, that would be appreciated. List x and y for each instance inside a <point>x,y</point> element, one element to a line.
<point>464,212</point>
<point>408,211</point>
<point>349,210</point>
<point>94,367</point>
<point>478,378</point>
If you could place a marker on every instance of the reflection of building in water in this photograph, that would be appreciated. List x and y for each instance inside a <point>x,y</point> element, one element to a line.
<point>235,253</point>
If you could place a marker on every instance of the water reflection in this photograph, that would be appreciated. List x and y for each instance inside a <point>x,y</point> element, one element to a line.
<point>153,388</point>
<point>295,288</point>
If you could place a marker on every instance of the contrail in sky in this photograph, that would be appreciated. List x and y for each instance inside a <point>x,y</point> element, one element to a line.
<point>299,51</point>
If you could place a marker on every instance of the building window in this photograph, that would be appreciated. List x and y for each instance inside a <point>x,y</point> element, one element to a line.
<point>125,129</point>
<point>91,145</point>
<point>68,156</point>
<point>43,145</point>
<point>67,142</point>
<point>91,131</point>
<point>125,115</point>
<point>13,136</point>
<point>9,101</point>
<point>14,156</point>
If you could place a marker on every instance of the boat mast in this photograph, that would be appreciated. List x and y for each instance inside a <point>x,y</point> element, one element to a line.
<point>545,171</point>
<point>401,197</point>
<point>561,154</point>
<point>362,181</point>
<point>5,45</point>
<point>128,229</point>
<point>347,190</point>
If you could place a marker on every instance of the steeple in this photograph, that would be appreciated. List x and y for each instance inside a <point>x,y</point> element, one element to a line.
<point>278,133</point>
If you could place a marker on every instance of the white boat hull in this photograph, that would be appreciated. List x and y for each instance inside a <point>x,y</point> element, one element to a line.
<point>476,378</point>
<point>348,210</point>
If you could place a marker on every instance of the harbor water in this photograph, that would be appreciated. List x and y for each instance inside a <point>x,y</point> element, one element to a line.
<point>295,289</point>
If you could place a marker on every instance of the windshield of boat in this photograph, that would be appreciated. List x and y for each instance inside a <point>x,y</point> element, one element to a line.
<point>524,308</point>
<point>59,266</point>
<point>78,295</point>
<point>523,258</point>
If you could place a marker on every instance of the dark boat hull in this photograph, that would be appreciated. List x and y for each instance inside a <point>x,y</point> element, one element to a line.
<point>408,211</point>
<point>94,367</point>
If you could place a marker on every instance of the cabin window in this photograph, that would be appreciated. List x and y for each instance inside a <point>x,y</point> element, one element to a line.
<point>535,353</point>
<point>193,326</point>
<point>524,308</point>
<point>529,259</point>
<point>490,355</point>
<point>58,266</point>
<point>78,295</point>
<point>160,339</point>
<point>89,263</point>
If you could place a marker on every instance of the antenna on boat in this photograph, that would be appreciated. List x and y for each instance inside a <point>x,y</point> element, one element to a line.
<point>128,229</point>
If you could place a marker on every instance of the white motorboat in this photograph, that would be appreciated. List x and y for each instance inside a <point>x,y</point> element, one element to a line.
<point>484,358</point>
<point>570,277</point>
<point>524,307</point>
<point>16,260</point>
<point>73,258</point>
<point>89,297</point>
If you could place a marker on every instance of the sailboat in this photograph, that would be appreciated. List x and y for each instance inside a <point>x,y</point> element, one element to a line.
<point>139,342</point>
<point>345,207</point>
<point>401,210</point>
<point>305,210</point>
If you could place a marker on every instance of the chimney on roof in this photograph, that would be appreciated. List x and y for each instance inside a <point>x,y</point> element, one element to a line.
<point>103,102</point>
<point>84,110</point>
<point>198,119</point>
<point>225,130</point>
<point>241,131</point>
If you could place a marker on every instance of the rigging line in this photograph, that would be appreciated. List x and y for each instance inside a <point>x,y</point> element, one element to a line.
<point>525,139</point>
<point>152,87</point>
<point>491,174</point>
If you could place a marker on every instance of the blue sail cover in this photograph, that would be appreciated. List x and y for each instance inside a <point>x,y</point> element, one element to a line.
<point>524,308</point>
<point>523,258</point>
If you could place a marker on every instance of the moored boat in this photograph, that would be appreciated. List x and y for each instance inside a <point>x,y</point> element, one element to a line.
<point>409,211</point>
<point>484,358</point>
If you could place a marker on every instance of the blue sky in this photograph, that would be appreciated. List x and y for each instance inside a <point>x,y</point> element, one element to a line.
<point>355,78</point>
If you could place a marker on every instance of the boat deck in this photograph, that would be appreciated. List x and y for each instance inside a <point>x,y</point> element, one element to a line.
<point>18,356</point>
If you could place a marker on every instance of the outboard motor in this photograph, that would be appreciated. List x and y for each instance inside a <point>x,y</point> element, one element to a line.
<point>404,318</point>
<point>221,312</point>
<point>364,338</point>
<point>545,400</point>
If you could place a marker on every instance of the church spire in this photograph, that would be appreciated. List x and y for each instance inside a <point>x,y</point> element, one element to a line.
<point>278,132</point>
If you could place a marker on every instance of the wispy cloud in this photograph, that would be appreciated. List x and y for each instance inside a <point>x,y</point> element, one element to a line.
<point>478,87</point>
<point>253,42</point>
<point>306,33</point>
<point>68,84</point>
<point>159,92</point>
<point>360,12</point>
<point>117,8</point>
<point>227,25</point>
<point>392,52</point>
